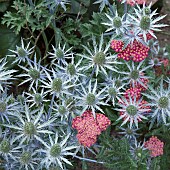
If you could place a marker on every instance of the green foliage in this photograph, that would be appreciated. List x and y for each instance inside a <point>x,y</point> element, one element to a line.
<point>24,15</point>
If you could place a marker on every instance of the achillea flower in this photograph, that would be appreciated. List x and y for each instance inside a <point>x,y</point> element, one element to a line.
<point>133,2</point>
<point>89,128</point>
<point>135,51</point>
<point>133,92</point>
<point>155,146</point>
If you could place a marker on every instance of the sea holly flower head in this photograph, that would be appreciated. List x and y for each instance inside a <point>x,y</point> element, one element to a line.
<point>132,110</point>
<point>155,146</point>
<point>57,85</point>
<point>146,22</point>
<point>129,133</point>
<point>99,59</point>
<point>29,127</point>
<point>160,102</point>
<point>22,53</point>
<point>91,98</point>
<point>55,152</point>
<point>34,74</point>
<point>115,23</point>
<point>60,54</point>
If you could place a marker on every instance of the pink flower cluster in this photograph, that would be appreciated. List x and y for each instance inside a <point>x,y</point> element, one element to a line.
<point>89,128</point>
<point>136,51</point>
<point>133,92</point>
<point>133,2</point>
<point>155,146</point>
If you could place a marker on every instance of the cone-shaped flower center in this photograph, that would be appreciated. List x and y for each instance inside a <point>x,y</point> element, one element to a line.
<point>62,110</point>
<point>134,74</point>
<point>34,74</point>
<point>90,99</point>
<point>2,107</point>
<point>145,23</point>
<point>129,131</point>
<point>21,52</point>
<point>25,157</point>
<point>57,84</point>
<point>38,98</point>
<point>163,102</point>
<point>131,110</point>
<point>112,91</point>
<point>5,146</point>
<point>55,150</point>
<point>59,53</point>
<point>71,69</point>
<point>117,22</point>
<point>29,128</point>
<point>99,58</point>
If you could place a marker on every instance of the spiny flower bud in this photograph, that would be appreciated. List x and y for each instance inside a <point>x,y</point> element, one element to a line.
<point>29,128</point>
<point>3,106</point>
<point>34,74</point>
<point>99,58</point>
<point>38,98</point>
<point>55,150</point>
<point>71,69</point>
<point>59,54</point>
<point>25,157</point>
<point>21,52</point>
<point>57,84</point>
<point>164,102</point>
<point>131,110</point>
<point>145,22</point>
<point>117,22</point>
<point>5,146</point>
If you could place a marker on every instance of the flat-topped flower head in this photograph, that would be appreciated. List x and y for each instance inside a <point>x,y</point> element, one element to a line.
<point>29,126</point>
<point>60,54</point>
<point>5,75</point>
<point>155,146</point>
<point>56,152</point>
<point>133,93</point>
<point>132,111</point>
<point>115,23</point>
<point>91,98</point>
<point>146,22</point>
<point>134,51</point>
<point>89,128</point>
<point>34,73</point>
<point>99,59</point>
<point>22,53</point>
<point>133,2</point>
<point>160,102</point>
<point>135,76</point>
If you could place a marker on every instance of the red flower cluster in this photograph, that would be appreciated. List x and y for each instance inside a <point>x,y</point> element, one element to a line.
<point>136,51</point>
<point>133,92</point>
<point>89,128</point>
<point>133,2</point>
<point>155,146</point>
